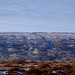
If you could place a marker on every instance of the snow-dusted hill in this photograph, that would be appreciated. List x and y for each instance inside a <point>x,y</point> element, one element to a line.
<point>37,46</point>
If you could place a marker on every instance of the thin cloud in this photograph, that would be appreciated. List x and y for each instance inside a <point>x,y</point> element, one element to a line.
<point>45,15</point>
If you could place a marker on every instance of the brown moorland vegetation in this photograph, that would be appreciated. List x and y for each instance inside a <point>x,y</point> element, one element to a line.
<point>36,68</point>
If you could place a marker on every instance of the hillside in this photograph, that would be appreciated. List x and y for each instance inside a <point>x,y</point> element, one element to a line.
<point>37,46</point>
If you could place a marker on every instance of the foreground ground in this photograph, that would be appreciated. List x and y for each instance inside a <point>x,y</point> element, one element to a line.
<point>34,68</point>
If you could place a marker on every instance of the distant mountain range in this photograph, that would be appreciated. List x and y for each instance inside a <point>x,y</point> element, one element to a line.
<point>37,46</point>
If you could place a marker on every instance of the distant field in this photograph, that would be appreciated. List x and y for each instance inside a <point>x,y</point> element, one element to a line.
<point>37,46</point>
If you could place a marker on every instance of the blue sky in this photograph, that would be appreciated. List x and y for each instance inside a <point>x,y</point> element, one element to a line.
<point>37,15</point>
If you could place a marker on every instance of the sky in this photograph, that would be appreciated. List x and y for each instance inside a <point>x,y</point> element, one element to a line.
<point>37,15</point>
